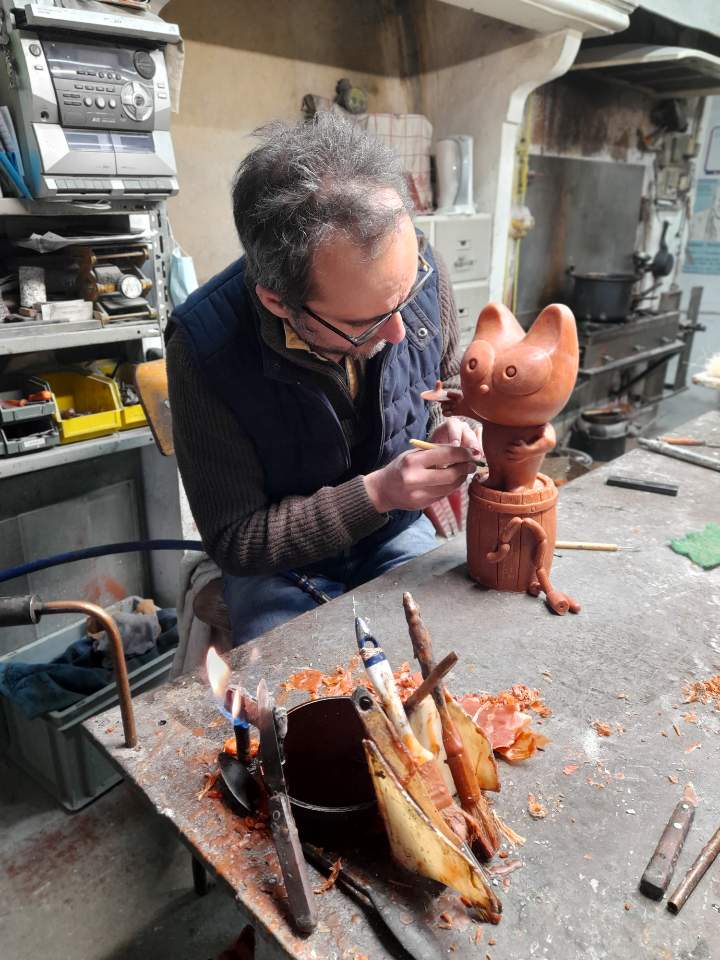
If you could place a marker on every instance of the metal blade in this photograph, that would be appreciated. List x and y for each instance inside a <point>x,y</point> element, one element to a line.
<point>282,823</point>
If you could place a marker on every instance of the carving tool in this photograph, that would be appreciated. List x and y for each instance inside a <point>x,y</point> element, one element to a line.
<point>585,545</point>
<point>678,454</point>
<point>639,483</point>
<point>658,873</point>
<point>381,676</point>
<point>416,938</point>
<point>438,672</point>
<point>469,793</point>
<point>695,874</point>
<point>271,721</point>
<point>426,445</point>
<point>689,442</point>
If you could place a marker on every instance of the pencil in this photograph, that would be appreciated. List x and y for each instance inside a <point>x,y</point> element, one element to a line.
<point>426,445</point>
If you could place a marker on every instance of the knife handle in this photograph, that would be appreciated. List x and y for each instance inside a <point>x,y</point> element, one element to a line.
<point>658,873</point>
<point>292,863</point>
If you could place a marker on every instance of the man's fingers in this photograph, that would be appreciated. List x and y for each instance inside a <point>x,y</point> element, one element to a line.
<point>449,476</point>
<point>443,455</point>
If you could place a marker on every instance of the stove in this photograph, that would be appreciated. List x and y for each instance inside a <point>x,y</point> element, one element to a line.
<point>626,359</point>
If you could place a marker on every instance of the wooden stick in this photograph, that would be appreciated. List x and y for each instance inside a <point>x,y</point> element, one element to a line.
<point>438,672</point>
<point>585,545</point>
<point>469,793</point>
<point>426,445</point>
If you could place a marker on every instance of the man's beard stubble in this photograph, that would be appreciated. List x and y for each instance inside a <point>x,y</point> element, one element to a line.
<point>356,353</point>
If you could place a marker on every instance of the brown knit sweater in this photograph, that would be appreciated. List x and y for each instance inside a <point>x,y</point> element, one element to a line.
<point>241,529</point>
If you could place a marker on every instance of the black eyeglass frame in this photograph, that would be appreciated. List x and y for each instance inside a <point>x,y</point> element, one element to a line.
<point>381,321</point>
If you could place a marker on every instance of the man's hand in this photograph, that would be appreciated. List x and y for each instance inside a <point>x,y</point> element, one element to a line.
<point>416,479</point>
<point>458,433</point>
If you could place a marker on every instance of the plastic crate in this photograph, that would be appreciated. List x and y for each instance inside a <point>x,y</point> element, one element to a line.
<point>93,394</point>
<point>28,436</point>
<point>132,415</point>
<point>34,408</point>
<point>55,749</point>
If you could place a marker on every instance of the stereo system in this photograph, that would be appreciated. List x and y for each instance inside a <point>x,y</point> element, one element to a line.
<point>91,112</point>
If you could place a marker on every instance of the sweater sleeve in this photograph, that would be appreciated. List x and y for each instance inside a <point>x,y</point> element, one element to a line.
<point>241,530</point>
<point>451,355</point>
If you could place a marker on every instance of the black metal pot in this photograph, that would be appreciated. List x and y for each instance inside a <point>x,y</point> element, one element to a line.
<point>326,772</point>
<point>602,296</point>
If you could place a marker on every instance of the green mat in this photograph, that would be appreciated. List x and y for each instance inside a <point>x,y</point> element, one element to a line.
<point>702,546</point>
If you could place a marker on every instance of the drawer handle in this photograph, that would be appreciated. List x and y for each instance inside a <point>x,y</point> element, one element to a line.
<point>464,262</point>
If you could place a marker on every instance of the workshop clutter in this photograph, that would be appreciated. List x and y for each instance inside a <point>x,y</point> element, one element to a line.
<point>26,418</point>
<point>88,404</point>
<point>375,760</point>
<point>50,279</point>
<point>50,688</point>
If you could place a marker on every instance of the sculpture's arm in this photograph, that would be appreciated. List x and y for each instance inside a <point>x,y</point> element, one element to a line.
<point>519,450</point>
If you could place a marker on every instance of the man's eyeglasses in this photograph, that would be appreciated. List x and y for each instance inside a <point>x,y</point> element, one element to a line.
<point>424,273</point>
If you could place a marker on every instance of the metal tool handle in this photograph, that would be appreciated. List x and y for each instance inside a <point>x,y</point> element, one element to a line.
<point>695,873</point>
<point>677,453</point>
<point>292,863</point>
<point>658,873</point>
<point>20,611</point>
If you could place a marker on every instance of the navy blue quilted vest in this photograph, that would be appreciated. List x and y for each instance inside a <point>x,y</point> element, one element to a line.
<point>296,432</point>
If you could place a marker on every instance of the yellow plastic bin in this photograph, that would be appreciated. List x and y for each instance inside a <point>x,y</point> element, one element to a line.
<point>132,415</point>
<point>92,396</point>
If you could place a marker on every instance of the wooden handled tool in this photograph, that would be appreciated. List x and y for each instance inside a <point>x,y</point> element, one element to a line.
<point>469,793</point>
<point>585,545</point>
<point>695,873</point>
<point>658,873</point>
<point>426,445</point>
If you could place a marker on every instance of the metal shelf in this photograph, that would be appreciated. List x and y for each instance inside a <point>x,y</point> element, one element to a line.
<point>12,207</point>
<point>21,342</point>
<point>75,452</point>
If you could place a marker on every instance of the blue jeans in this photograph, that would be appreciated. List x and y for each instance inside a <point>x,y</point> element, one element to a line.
<point>257,604</point>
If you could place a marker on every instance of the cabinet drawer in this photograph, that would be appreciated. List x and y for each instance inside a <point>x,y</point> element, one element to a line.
<point>470,298</point>
<point>464,244</point>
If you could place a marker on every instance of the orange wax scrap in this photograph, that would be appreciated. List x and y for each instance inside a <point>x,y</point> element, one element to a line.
<point>703,691</point>
<point>505,720</point>
<point>602,729</point>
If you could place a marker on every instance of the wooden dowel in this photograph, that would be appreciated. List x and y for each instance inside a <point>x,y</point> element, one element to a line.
<point>695,873</point>
<point>438,672</point>
<point>585,545</point>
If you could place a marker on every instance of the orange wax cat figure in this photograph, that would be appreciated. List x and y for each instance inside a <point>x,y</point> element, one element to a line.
<point>514,383</point>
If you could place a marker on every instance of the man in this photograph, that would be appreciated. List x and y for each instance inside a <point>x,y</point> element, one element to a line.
<point>295,378</point>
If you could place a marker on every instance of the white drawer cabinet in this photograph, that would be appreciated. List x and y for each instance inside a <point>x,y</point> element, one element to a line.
<point>470,299</point>
<point>464,245</point>
<point>462,242</point>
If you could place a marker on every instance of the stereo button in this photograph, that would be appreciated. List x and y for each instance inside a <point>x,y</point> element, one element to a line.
<point>100,102</point>
<point>35,49</point>
<point>88,101</point>
<point>112,103</point>
<point>102,74</point>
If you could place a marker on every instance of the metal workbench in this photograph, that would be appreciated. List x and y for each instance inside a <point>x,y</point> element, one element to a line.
<point>650,623</point>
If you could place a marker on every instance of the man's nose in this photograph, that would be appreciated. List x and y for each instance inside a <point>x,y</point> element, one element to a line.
<point>394,329</point>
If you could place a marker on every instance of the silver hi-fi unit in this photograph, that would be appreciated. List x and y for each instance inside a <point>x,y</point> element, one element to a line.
<point>89,96</point>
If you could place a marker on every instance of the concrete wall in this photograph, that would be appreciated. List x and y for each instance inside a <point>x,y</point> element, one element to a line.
<point>247,63</point>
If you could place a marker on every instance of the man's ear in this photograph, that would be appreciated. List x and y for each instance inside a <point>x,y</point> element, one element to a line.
<point>272,302</point>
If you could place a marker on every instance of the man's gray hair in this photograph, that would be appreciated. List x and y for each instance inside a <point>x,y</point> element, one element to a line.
<point>305,185</point>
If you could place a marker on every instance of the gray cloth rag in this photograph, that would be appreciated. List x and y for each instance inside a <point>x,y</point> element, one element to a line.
<point>196,571</point>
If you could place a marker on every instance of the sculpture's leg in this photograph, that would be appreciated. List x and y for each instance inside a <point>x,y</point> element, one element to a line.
<point>558,602</point>
<point>503,547</point>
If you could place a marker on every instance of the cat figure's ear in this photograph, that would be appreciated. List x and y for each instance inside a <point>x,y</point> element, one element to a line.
<point>555,331</point>
<point>498,326</point>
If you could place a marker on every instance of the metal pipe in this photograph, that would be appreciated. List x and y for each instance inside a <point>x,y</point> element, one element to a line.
<point>679,454</point>
<point>695,874</point>
<point>118,655</point>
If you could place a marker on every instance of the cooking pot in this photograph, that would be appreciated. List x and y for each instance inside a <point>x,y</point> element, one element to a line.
<point>602,296</point>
